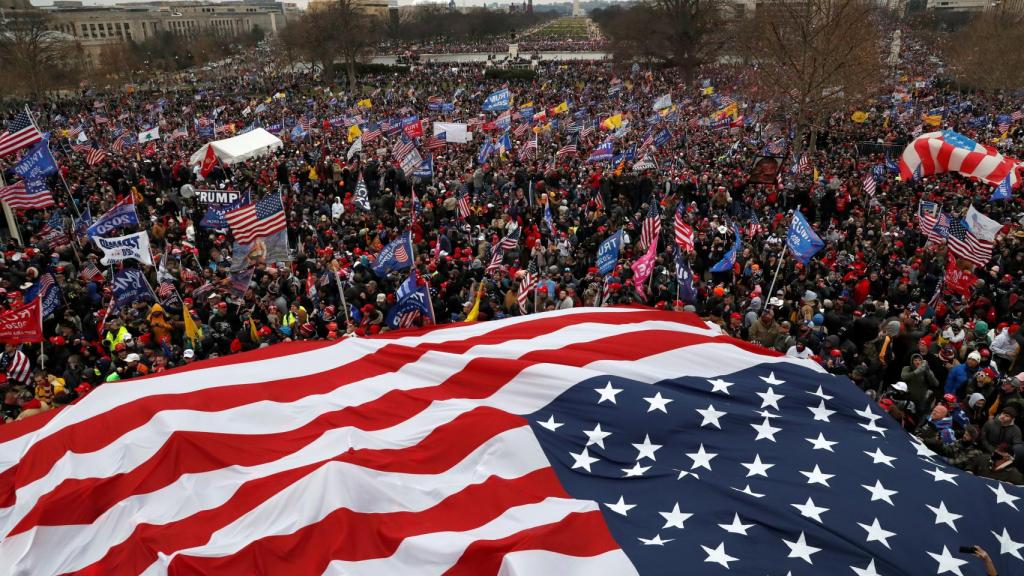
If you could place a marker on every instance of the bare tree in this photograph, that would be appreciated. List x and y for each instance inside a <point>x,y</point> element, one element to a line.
<point>36,58</point>
<point>342,30</point>
<point>813,58</point>
<point>987,54</point>
<point>686,31</point>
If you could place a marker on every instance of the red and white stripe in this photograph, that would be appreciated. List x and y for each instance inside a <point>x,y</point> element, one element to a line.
<point>683,232</point>
<point>19,369</point>
<point>933,155</point>
<point>414,445</point>
<point>17,197</point>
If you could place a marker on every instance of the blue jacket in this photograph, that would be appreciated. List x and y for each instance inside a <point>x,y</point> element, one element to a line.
<point>959,376</point>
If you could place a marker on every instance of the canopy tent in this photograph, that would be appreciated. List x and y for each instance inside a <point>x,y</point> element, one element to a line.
<point>239,148</point>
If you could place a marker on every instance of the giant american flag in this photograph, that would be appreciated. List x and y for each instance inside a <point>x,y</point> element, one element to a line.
<point>949,151</point>
<point>257,220</point>
<point>596,442</point>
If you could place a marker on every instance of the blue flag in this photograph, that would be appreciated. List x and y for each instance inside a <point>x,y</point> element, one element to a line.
<point>120,216</point>
<point>48,290</point>
<point>505,144</point>
<point>1004,191</point>
<point>82,224</point>
<point>548,219</point>
<point>485,152</point>
<point>662,137</point>
<point>498,101</point>
<point>801,239</point>
<point>130,285</point>
<point>397,255</point>
<point>602,153</point>
<point>214,217</point>
<point>426,169</point>
<point>37,163</point>
<point>684,279</point>
<point>729,260</point>
<point>412,301</point>
<point>608,253</point>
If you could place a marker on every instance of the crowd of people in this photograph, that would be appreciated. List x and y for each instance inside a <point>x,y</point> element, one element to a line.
<point>871,304</point>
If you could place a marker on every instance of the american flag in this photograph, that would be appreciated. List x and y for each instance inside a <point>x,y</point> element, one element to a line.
<point>529,150</point>
<point>21,132</point>
<point>257,220</point>
<point>94,156</point>
<point>965,244</point>
<point>1017,116</point>
<point>305,124</point>
<point>402,149</point>
<point>89,271</point>
<point>647,143</point>
<point>558,446</point>
<point>463,198</point>
<point>651,229</point>
<point>166,290</point>
<point>938,230</point>
<point>598,199</point>
<point>100,119</point>
<point>802,164</point>
<point>520,130</point>
<point>121,143</point>
<point>526,285</point>
<point>567,150</point>
<point>497,256</point>
<point>18,198</point>
<point>435,143</point>
<point>18,367</point>
<point>1003,127</point>
<point>588,129</point>
<point>683,231</point>
<point>371,133</point>
<point>754,227</point>
<point>510,241</point>
<point>74,131</point>
<point>869,184</point>
<point>181,132</point>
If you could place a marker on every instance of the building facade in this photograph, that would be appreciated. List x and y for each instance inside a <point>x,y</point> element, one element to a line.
<point>97,27</point>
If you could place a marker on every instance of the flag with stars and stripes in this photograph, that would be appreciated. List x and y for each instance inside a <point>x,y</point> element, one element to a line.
<point>869,184</point>
<point>257,220</point>
<point>527,284</point>
<point>683,231</point>
<point>541,444</point>
<point>21,132</point>
<point>462,196</point>
<point>651,229</point>
<point>963,242</point>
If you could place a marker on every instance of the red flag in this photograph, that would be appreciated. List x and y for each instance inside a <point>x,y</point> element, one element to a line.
<point>22,324</point>
<point>208,162</point>
<point>958,281</point>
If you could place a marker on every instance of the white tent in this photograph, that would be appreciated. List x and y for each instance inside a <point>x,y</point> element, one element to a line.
<point>240,148</point>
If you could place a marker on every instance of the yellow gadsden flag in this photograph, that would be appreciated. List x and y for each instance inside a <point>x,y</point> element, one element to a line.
<point>563,107</point>
<point>475,310</point>
<point>364,103</point>
<point>933,119</point>
<point>612,122</point>
<point>859,117</point>
<point>354,132</point>
<point>192,330</point>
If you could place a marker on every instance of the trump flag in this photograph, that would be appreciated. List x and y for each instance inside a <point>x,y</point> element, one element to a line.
<point>580,442</point>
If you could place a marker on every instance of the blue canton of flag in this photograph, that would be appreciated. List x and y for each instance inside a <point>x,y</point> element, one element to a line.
<point>958,140</point>
<point>397,255</point>
<point>742,463</point>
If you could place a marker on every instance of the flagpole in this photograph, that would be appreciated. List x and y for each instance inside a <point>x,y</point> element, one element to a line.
<point>341,292</point>
<point>12,222</point>
<point>59,173</point>
<point>778,267</point>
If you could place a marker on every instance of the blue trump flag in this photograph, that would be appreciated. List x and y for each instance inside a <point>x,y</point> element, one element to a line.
<point>37,163</point>
<point>1004,191</point>
<point>214,217</point>
<point>608,253</point>
<point>82,224</point>
<point>130,285</point>
<point>602,153</point>
<point>48,290</point>
<point>397,255</point>
<point>729,260</point>
<point>485,152</point>
<point>498,101</point>
<point>120,216</point>
<point>684,279</point>
<point>426,168</point>
<point>412,301</point>
<point>801,239</point>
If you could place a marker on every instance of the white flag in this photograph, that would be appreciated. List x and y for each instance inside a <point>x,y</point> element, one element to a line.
<point>120,248</point>
<point>149,135</point>
<point>982,226</point>
<point>663,102</point>
<point>82,138</point>
<point>354,149</point>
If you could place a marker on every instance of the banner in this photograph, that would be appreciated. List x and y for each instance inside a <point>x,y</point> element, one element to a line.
<point>22,324</point>
<point>958,281</point>
<point>608,253</point>
<point>238,282</point>
<point>129,286</point>
<point>266,250</point>
<point>765,170</point>
<point>121,248</point>
<point>455,132</point>
<point>37,163</point>
<point>728,261</point>
<point>120,216</point>
<point>801,239</point>
<point>221,197</point>
<point>411,162</point>
<point>412,127</point>
<point>214,217</point>
<point>426,168</point>
<point>498,101</point>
